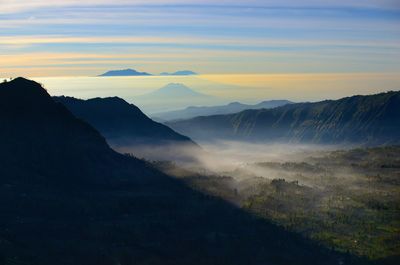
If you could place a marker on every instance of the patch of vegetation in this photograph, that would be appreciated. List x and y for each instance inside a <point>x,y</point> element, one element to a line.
<point>347,200</point>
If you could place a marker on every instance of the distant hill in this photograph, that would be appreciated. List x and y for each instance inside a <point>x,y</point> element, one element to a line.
<point>184,72</point>
<point>67,198</point>
<point>173,96</point>
<point>370,120</point>
<point>125,72</point>
<point>123,124</point>
<point>194,111</point>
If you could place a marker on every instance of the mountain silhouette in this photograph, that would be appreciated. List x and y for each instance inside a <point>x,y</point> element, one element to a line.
<point>46,135</point>
<point>194,111</point>
<point>173,96</point>
<point>67,198</point>
<point>184,72</point>
<point>176,90</point>
<point>125,72</point>
<point>124,124</point>
<point>370,120</point>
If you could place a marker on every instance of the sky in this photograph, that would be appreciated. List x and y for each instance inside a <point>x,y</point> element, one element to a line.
<point>85,38</point>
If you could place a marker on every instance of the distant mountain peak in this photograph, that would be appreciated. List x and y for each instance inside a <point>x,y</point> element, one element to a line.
<point>173,96</point>
<point>125,72</point>
<point>176,85</point>
<point>178,89</point>
<point>183,72</point>
<point>233,107</point>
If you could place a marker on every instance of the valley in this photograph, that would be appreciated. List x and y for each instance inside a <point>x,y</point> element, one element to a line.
<point>198,132</point>
<point>348,199</point>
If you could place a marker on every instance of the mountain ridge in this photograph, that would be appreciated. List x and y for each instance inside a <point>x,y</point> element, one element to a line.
<point>175,88</point>
<point>179,73</point>
<point>372,119</point>
<point>122,123</point>
<point>172,96</point>
<point>233,107</point>
<point>68,198</point>
<point>26,105</point>
<point>124,72</point>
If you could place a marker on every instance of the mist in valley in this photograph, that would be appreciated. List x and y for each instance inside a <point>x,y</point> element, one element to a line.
<point>237,159</point>
<point>172,132</point>
<point>346,198</point>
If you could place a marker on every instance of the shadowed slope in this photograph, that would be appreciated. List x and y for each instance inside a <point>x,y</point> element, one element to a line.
<point>47,137</point>
<point>122,123</point>
<point>66,198</point>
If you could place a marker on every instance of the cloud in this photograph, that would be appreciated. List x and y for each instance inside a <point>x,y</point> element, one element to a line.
<point>228,41</point>
<point>13,6</point>
<point>224,36</point>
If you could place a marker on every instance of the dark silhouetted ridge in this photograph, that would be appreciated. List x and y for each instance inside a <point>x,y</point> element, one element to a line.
<point>122,123</point>
<point>34,128</point>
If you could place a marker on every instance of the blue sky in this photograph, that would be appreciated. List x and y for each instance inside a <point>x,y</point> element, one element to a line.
<point>70,37</point>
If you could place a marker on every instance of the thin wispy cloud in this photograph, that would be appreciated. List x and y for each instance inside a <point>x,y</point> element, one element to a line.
<point>254,42</point>
<point>23,5</point>
<point>207,36</point>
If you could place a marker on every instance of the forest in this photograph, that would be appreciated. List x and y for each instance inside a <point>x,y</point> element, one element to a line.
<point>347,199</point>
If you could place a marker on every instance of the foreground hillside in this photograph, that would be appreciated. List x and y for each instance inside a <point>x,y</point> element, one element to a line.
<point>371,120</point>
<point>66,198</point>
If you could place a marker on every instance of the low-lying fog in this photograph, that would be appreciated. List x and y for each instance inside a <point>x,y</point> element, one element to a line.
<point>225,155</point>
<point>242,160</point>
<point>347,199</point>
